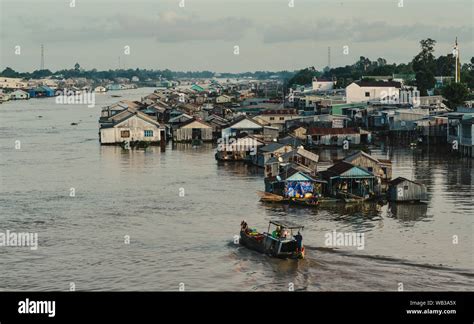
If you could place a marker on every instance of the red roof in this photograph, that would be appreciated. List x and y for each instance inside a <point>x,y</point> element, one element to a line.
<point>331,131</point>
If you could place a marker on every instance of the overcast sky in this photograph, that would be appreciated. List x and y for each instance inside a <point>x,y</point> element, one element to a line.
<point>270,34</point>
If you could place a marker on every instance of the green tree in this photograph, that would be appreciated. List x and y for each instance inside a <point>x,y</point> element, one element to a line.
<point>467,74</point>
<point>10,73</point>
<point>455,94</point>
<point>77,67</point>
<point>424,65</point>
<point>445,65</point>
<point>303,77</point>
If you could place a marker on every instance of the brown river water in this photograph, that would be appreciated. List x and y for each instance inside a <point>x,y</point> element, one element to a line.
<point>176,239</point>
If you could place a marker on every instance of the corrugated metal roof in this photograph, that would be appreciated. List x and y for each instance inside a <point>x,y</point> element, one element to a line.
<point>344,169</point>
<point>331,131</point>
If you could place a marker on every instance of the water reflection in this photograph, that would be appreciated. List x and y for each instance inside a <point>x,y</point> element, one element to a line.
<point>408,212</point>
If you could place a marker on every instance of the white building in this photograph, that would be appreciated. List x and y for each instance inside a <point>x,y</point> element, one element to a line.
<point>364,91</point>
<point>322,84</point>
<point>100,89</point>
<point>12,83</point>
<point>223,99</point>
<point>19,95</point>
<point>131,125</point>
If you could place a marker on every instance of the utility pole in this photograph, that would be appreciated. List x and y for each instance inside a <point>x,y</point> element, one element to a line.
<point>42,57</point>
<point>457,77</point>
<point>329,57</point>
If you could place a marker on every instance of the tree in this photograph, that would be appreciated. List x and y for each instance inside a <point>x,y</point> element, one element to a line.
<point>467,73</point>
<point>381,61</point>
<point>39,74</point>
<point>445,65</point>
<point>424,65</point>
<point>10,73</point>
<point>77,67</point>
<point>303,77</point>
<point>455,94</point>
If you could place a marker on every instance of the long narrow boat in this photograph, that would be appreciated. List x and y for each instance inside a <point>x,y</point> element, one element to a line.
<point>280,244</point>
<point>271,198</point>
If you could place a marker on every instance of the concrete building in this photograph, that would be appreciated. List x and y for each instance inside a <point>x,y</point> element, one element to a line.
<point>364,91</point>
<point>320,84</point>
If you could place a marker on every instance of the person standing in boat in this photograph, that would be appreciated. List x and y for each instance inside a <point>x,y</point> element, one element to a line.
<point>299,241</point>
<point>244,226</point>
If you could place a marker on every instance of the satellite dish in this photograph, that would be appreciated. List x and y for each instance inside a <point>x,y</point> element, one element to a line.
<point>278,178</point>
<point>274,139</point>
<point>280,159</point>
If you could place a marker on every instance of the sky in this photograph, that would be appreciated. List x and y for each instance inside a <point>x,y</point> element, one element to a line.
<point>271,35</point>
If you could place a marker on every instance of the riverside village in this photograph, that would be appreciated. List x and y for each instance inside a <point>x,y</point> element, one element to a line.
<point>282,128</point>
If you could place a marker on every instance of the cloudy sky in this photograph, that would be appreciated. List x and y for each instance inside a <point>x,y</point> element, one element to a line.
<point>271,34</point>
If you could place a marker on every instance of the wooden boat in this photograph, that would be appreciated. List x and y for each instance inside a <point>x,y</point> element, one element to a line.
<point>272,198</point>
<point>280,244</point>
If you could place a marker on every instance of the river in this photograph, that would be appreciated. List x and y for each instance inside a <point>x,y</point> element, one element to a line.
<point>180,210</point>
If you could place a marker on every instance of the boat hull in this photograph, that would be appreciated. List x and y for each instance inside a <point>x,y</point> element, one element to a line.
<point>264,243</point>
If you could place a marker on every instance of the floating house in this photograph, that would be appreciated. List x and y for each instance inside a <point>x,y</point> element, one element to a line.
<point>241,149</point>
<point>292,182</point>
<point>41,91</point>
<point>268,151</point>
<point>193,130</point>
<point>379,167</point>
<point>114,87</point>
<point>217,123</point>
<point>100,89</point>
<point>130,126</point>
<point>404,190</point>
<point>337,136</point>
<point>177,120</point>
<point>348,180</point>
<point>467,137</point>
<point>242,125</point>
<point>299,157</point>
<point>19,95</point>
<point>110,111</point>
<point>4,97</point>
<point>277,117</point>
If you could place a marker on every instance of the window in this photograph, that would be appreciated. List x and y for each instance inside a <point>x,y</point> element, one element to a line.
<point>405,187</point>
<point>282,118</point>
<point>125,134</point>
<point>370,169</point>
<point>272,118</point>
<point>148,133</point>
<point>367,94</point>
